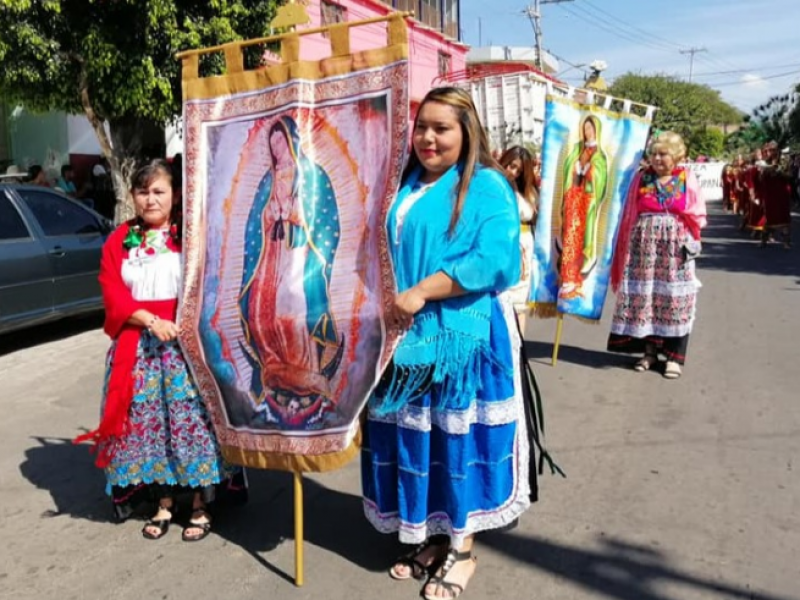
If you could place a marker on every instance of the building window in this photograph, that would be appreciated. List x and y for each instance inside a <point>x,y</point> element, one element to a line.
<point>450,21</point>
<point>445,61</point>
<point>332,13</point>
<point>431,14</point>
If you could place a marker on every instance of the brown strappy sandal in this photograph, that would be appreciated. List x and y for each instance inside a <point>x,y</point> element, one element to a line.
<point>411,560</point>
<point>454,590</point>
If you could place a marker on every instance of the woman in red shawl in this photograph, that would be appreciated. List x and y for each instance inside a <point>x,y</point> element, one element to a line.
<point>154,429</point>
<point>653,271</point>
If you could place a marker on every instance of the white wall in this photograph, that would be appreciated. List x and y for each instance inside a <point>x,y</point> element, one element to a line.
<point>81,138</point>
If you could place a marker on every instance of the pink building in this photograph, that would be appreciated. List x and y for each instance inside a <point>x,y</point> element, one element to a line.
<point>434,46</point>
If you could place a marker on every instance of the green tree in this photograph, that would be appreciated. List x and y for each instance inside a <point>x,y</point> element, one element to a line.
<point>114,60</point>
<point>778,118</point>
<point>745,139</point>
<point>683,107</point>
<point>706,141</point>
<point>794,120</point>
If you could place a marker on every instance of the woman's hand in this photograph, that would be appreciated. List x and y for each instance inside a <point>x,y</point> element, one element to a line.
<point>164,329</point>
<point>406,305</point>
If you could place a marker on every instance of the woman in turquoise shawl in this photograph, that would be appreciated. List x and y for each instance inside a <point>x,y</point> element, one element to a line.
<point>585,181</point>
<point>291,239</point>
<point>446,452</point>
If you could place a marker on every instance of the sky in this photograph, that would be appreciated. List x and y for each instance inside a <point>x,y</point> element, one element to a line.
<point>752,47</point>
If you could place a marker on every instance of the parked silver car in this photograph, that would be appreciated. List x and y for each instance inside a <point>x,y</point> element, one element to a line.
<point>50,248</point>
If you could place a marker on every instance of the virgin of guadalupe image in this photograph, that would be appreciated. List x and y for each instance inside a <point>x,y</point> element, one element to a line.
<point>291,238</point>
<point>585,182</point>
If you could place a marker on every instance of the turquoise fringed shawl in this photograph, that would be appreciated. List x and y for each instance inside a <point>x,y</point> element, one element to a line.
<point>449,339</point>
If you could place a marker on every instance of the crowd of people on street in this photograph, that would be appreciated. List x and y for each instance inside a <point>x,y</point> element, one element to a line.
<point>94,190</point>
<point>761,190</point>
<point>461,234</point>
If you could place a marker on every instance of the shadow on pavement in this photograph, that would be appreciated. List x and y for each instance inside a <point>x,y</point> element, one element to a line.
<point>541,353</point>
<point>725,248</point>
<point>617,569</point>
<point>49,332</point>
<point>334,520</point>
<point>68,473</point>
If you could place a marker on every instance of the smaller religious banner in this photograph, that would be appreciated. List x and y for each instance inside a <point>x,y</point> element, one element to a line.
<point>589,157</point>
<point>290,173</point>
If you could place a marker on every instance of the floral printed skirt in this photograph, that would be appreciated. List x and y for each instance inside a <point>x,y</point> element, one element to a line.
<point>658,293</point>
<point>171,441</point>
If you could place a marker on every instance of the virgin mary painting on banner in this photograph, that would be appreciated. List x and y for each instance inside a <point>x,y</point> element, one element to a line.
<point>589,157</point>
<point>288,272</point>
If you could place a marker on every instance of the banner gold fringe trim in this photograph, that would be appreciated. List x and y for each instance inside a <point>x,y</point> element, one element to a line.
<point>549,310</point>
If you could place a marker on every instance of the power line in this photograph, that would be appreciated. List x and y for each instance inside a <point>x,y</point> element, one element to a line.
<point>740,82</point>
<point>614,21</point>
<point>691,52</point>
<point>749,70</point>
<point>628,37</point>
<point>534,13</point>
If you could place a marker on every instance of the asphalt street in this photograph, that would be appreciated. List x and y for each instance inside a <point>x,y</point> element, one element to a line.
<point>675,490</point>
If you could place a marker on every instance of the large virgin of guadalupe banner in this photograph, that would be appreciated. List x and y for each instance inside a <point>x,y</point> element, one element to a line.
<point>589,157</point>
<point>288,183</point>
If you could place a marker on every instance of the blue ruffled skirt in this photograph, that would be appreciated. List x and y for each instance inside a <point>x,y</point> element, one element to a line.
<point>428,471</point>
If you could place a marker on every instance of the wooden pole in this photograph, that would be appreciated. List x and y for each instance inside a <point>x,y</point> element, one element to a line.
<point>559,330</point>
<point>298,529</point>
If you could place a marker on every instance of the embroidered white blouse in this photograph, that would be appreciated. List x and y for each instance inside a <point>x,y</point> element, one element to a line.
<point>152,271</point>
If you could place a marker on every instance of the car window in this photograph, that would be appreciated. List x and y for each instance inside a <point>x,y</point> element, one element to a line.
<point>12,227</point>
<point>59,216</point>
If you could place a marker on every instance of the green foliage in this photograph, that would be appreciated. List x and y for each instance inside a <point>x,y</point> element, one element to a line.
<point>683,107</point>
<point>779,118</point>
<point>114,60</point>
<point>124,48</point>
<point>744,140</point>
<point>709,142</point>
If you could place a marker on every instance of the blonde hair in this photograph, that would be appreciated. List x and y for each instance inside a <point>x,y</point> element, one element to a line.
<point>475,149</point>
<point>672,143</point>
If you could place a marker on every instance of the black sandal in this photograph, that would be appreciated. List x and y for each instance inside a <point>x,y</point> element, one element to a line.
<point>162,524</point>
<point>195,523</point>
<point>410,560</point>
<point>454,590</point>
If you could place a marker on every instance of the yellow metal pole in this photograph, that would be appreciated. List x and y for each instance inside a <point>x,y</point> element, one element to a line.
<point>298,529</point>
<point>559,329</point>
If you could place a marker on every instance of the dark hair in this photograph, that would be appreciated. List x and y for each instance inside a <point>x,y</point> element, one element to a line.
<point>33,172</point>
<point>143,176</point>
<point>525,182</point>
<point>475,149</point>
<point>65,169</point>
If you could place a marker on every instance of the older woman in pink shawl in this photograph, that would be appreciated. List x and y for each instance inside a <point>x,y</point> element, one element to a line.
<point>653,271</point>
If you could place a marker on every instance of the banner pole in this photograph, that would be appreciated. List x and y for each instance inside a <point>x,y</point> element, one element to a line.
<point>298,529</point>
<point>557,343</point>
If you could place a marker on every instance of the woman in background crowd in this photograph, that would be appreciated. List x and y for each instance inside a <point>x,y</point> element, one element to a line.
<point>519,168</point>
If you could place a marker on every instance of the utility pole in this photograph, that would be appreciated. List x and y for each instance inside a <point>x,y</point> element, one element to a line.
<point>691,52</point>
<point>534,13</point>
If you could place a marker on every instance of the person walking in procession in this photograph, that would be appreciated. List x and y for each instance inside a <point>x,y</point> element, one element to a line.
<point>653,269</point>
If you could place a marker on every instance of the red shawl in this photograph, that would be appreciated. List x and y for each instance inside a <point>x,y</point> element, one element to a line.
<point>119,306</point>
<point>693,216</point>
